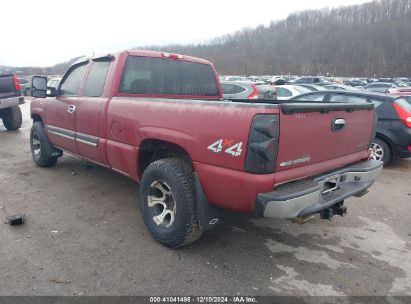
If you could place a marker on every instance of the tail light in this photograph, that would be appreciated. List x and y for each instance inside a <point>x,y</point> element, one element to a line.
<point>254,94</point>
<point>262,148</point>
<point>16,83</point>
<point>403,111</point>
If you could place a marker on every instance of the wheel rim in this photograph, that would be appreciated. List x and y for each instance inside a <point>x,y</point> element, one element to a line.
<point>36,145</point>
<point>377,152</point>
<point>161,202</point>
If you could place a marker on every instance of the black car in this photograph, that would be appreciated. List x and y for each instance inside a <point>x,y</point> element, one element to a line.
<point>393,132</point>
<point>356,83</point>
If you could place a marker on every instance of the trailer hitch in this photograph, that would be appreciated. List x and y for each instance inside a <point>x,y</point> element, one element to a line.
<point>337,209</point>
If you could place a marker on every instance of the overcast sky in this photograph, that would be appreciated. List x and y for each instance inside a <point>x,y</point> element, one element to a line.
<point>46,32</point>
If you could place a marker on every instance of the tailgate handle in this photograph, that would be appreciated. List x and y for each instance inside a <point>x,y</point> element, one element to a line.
<point>338,124</point>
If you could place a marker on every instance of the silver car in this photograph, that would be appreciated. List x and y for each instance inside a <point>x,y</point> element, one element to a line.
<point>247,90</point>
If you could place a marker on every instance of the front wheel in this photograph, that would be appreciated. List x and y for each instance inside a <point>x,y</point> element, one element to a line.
<point>380,151</point>
<point>38,144</point>
<point>168,202</point>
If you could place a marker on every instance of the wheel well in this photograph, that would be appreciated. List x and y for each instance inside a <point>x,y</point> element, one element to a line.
<point>155,149</point>
<point>36,117</point>
<point>387,141</point>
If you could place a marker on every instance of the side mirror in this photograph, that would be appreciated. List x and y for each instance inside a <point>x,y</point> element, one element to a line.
<point>38,87</point>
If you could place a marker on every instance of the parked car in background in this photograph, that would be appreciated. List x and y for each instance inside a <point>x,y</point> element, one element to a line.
<point>310,80</point>
<point>24,86</point>
<point>266,91</point>
<point>289,91</point>
<point>238,90</point>
<point>247,90</point>
<point>380,87</point>
<point>272,79</point>
<point>385,80</point>
<point>342,87</point>
<point>254,78</point>
<point>357,83</point>
<point>312,87</point>
<point>52,84</point>
<point>404,92</point>
<point>393,132</point>
<point>10,99</point>
<point>235,78</point>
<point>404,80</point>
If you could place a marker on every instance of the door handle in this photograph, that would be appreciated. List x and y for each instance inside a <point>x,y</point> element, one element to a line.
<point>337,124</point>
<point>71,108</point>
<point>339,121</point>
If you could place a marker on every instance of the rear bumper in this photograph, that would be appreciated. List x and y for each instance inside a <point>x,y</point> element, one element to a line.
<point>305,197</point>
<point>11,101</point>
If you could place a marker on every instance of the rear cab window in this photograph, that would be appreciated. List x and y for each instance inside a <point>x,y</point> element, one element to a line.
<point>167,77</point>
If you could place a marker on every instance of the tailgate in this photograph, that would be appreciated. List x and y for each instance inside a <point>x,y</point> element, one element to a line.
<point>7,87</point>
<point>319,137</point>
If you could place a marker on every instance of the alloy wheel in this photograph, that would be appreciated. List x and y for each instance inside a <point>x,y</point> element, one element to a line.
<point>377,152</point>
<point>161,201</point>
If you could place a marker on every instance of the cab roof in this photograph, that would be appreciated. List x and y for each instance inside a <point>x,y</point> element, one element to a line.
<point>143,53</point>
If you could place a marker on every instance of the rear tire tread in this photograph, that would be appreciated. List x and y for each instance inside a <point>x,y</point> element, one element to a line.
<point>12,118</point>
<point>182,173</point>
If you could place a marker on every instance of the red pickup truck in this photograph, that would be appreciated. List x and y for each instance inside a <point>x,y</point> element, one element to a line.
<point>160,119</point>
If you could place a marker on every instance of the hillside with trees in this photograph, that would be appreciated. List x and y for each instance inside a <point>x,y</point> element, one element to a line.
<point>57,69</point>
<point>360,40</point>
<point>371,39</point>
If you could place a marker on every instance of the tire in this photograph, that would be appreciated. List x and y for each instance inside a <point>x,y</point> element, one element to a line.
<point>38,143</point>
<point>380,151</point>
<point>12,118</point>
<point>168,186</point>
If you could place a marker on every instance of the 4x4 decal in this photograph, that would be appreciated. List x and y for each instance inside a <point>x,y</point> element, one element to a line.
<point>227,146</point>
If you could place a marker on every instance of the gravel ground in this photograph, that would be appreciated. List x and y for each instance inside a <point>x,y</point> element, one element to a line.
<point>85,236</point>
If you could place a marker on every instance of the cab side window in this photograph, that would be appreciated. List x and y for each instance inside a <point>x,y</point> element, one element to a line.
<point>96,79</point>
<point>72,83</point>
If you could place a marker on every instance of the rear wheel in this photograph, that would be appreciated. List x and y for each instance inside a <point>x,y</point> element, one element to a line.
<point>168,202</point>
<point>12,118</point>
<point>38,143</point>
<point>380,151</point>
